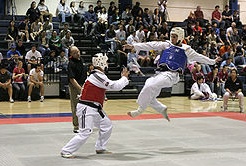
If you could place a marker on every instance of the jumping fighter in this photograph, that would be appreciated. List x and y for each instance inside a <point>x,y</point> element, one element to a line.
<point>89,109</point>
<point>172,61</point>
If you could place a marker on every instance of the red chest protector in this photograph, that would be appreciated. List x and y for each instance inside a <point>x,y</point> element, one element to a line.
<point>93,93</point>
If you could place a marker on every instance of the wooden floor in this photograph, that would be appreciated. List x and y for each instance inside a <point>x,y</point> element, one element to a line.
<point>175,104</point>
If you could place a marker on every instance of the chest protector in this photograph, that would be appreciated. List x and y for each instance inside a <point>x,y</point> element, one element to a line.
<point>93,93</point>
<point>174,58</point>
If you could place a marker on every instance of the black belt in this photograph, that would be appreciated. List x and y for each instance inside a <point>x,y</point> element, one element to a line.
<point>99,107</point>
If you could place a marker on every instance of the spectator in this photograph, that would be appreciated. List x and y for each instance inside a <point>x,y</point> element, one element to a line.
<point>212,79</point>
<point>12,33</point>
<point>98,32</point>
<point>35,79</point>
<point>104,16</point>
<point>33,57</point>
<point>48,27</point>
<point>163,9</point>
<point>63,11</point>
<point>51,63</point>
<point>44,44</point>
<point>90,20</point>
<point>132,63</point>
<point>36,29</point>
<point>214,52</point>
<point>232,34</point>
<point>223,76</point>
<point>130,27</point>
<point>200,90</point>
<point>216,17</point>
<point>233,87</point>
<point>55,43</point>
<point>156,17</point>
<point>196,71</point>
<point>44,11</point>
<point>111,8</point>
<point>227,16</point>
<point>141,34</point>
<point>236,19</point>
<point>147,18</point>
<point>64,31</point>
<point>121,33</point>
<point>116,17</point>
<point>98,8</point>
<point>191,18</point>
<point>197,29</point>
<point>73,12</point>
<point>62,61</point>
<point>18,81</point>
<point>5,81</point>
<point>12,52</point>
<point>23,29</point>
<point>21,48</point>
<point>81,13</point>
<point>152,29</point>
<point>223,38</point>
<point>132,38</point>
<point>228,62</point>
<point>110,38</point>
<point>200,16</point>
<point>67,41</point>
<point>239,56</point>
<point>135,10</point>
<point>33,13</point>
<point>163,30</point>
<point>126,14</point>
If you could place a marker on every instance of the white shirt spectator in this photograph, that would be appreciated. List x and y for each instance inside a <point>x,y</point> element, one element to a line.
<point>30,54</point>
<point>140,35</point>
<point>35,74</point>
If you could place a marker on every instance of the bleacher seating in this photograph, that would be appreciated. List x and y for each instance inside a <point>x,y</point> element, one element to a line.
<point>88,48</point>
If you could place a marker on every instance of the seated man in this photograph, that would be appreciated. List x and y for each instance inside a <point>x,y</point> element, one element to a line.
<point>5,81</point>
<point>35,79</point>
<point>33,57</point>
<point>233,87</point>
<point>201,90</point>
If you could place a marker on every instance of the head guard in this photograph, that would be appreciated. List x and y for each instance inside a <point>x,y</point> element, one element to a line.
<point>100,60</point>
<point>179,32</point>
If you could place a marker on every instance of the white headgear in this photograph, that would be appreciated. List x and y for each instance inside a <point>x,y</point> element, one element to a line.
<point>179,32</point>
<point>100,60</point>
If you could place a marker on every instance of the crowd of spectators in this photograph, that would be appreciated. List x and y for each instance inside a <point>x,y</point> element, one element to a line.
<point>224,35</point>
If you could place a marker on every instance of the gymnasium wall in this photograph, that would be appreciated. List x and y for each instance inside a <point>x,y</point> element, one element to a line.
<point>178,9</point>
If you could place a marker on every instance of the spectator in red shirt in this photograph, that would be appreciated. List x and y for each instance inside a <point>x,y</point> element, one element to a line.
<point>18,84</point>
<point>217,18</point>
<point>197,29</point>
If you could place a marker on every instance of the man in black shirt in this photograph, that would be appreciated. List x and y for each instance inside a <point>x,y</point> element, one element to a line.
<point>5,81</point>
<point>233,87</point>
<point>76,76</point>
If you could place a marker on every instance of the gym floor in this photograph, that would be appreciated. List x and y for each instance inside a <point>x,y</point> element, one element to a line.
<point>198,134</point>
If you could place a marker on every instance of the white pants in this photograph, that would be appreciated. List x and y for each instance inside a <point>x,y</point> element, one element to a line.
<point>152,89</point>
<point>240,97</point>
<point>88,117</point>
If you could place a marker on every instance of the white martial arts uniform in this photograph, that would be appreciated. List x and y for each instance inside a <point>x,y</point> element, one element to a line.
<point>197,91</point>
<point>88,117</point>
<point>162,79</point>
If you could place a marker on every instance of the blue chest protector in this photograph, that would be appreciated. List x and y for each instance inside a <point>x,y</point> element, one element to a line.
<point>174,58</point>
